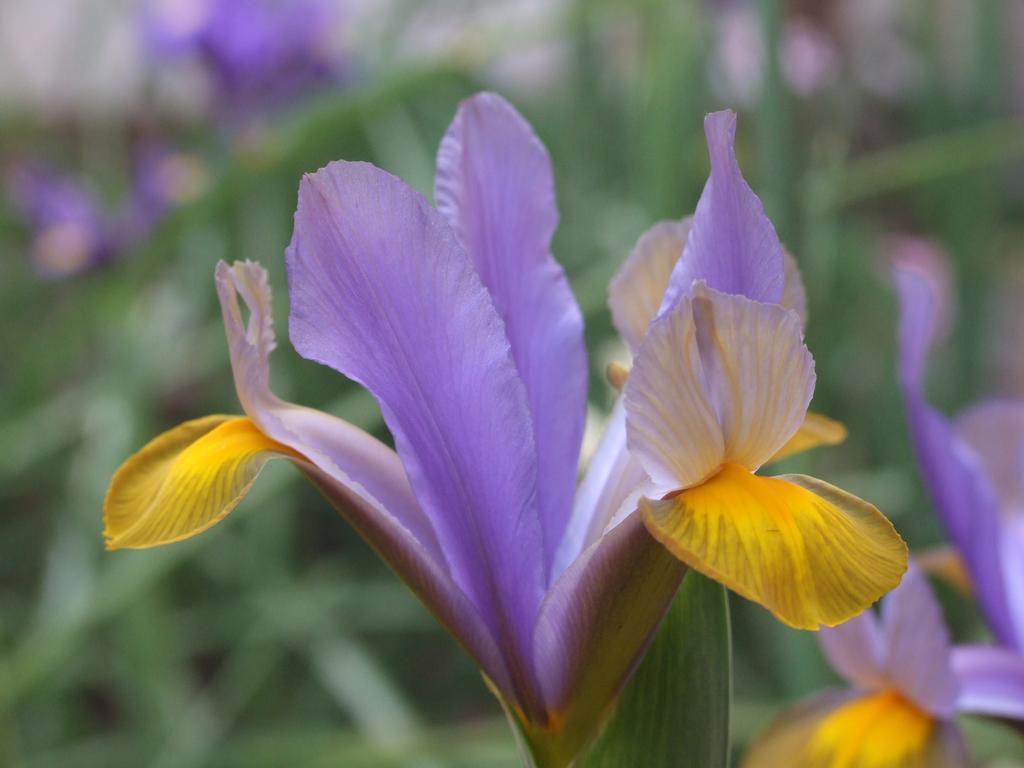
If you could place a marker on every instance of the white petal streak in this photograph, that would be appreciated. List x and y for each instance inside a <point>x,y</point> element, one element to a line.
<point>612,475</point>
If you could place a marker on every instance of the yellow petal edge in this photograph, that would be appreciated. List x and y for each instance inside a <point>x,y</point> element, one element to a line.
<point>185,481</point>
<point>817,430</point>
<point>807,551</point>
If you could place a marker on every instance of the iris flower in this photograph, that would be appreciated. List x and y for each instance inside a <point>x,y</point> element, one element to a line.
<point>972,468</point>
<point>721,385</point>
<point>464,328</point>
<point>256,53</point>
<point>906,692</point>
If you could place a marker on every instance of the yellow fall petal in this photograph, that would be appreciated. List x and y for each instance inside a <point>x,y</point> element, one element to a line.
<point>807,551</point>
<point>883,730</point>
<point>877,730</point>
<point>817,430</point>
<point>185,481</point>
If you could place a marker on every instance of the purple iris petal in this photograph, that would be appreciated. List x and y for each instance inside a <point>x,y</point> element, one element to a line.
<point>495,186</point>
<point>952,473</point>
<point>994,429</point>
<point>331,443</point>
<point>907,650</point>
<point>732,245</point>
<point>991,680</point>
<point>917,645</point>
<point>856,650</point>
<point>350,466</point>
<point>382,292</point>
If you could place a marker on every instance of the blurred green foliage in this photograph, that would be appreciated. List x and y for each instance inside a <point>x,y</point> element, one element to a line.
<point>279,638</point>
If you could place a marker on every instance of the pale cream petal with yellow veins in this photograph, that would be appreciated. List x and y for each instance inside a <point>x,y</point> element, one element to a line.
<point>637,289</point>
<point>757,372</point>
<point>671,426</point>
<point>794,296</point>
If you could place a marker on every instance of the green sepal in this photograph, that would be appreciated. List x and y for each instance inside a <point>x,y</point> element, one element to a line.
<point>675,711</point>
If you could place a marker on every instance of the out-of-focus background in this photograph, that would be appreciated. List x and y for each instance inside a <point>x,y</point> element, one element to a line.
<point>140,142</point>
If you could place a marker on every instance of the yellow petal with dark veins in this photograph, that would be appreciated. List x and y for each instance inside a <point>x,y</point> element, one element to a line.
<point>807,551</point>
<point>185,481</point>
<point>816,430</point>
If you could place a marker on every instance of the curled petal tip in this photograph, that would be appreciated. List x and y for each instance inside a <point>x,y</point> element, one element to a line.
<point>720,130</point>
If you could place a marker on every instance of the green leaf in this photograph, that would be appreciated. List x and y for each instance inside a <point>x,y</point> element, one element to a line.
<point>674,713</point>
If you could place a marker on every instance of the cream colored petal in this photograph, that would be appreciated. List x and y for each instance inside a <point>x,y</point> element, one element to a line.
<point>794,296</point>
<point>636,291</point>
<point>757,372</point>
<point>671,426</point>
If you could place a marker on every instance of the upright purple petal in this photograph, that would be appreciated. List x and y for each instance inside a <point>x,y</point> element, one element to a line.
<point>917,645</point>
<point>991,681</point>
<point>953,476</point>
<point>382,292</point>
<point>330,442</point>
<point>856,650</point>
<point>359,474</point>
<point>496,188</point>
<point>732,245</point>
<point>995,431</point>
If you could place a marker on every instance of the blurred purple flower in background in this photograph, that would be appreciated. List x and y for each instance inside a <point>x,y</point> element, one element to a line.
<point>807,55</point>
<point>907,685</point>
<point>71,232</point>
<point>74,232</point>
<point>256,54</point>
<point>973,469</point>
<point>163,179</point>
